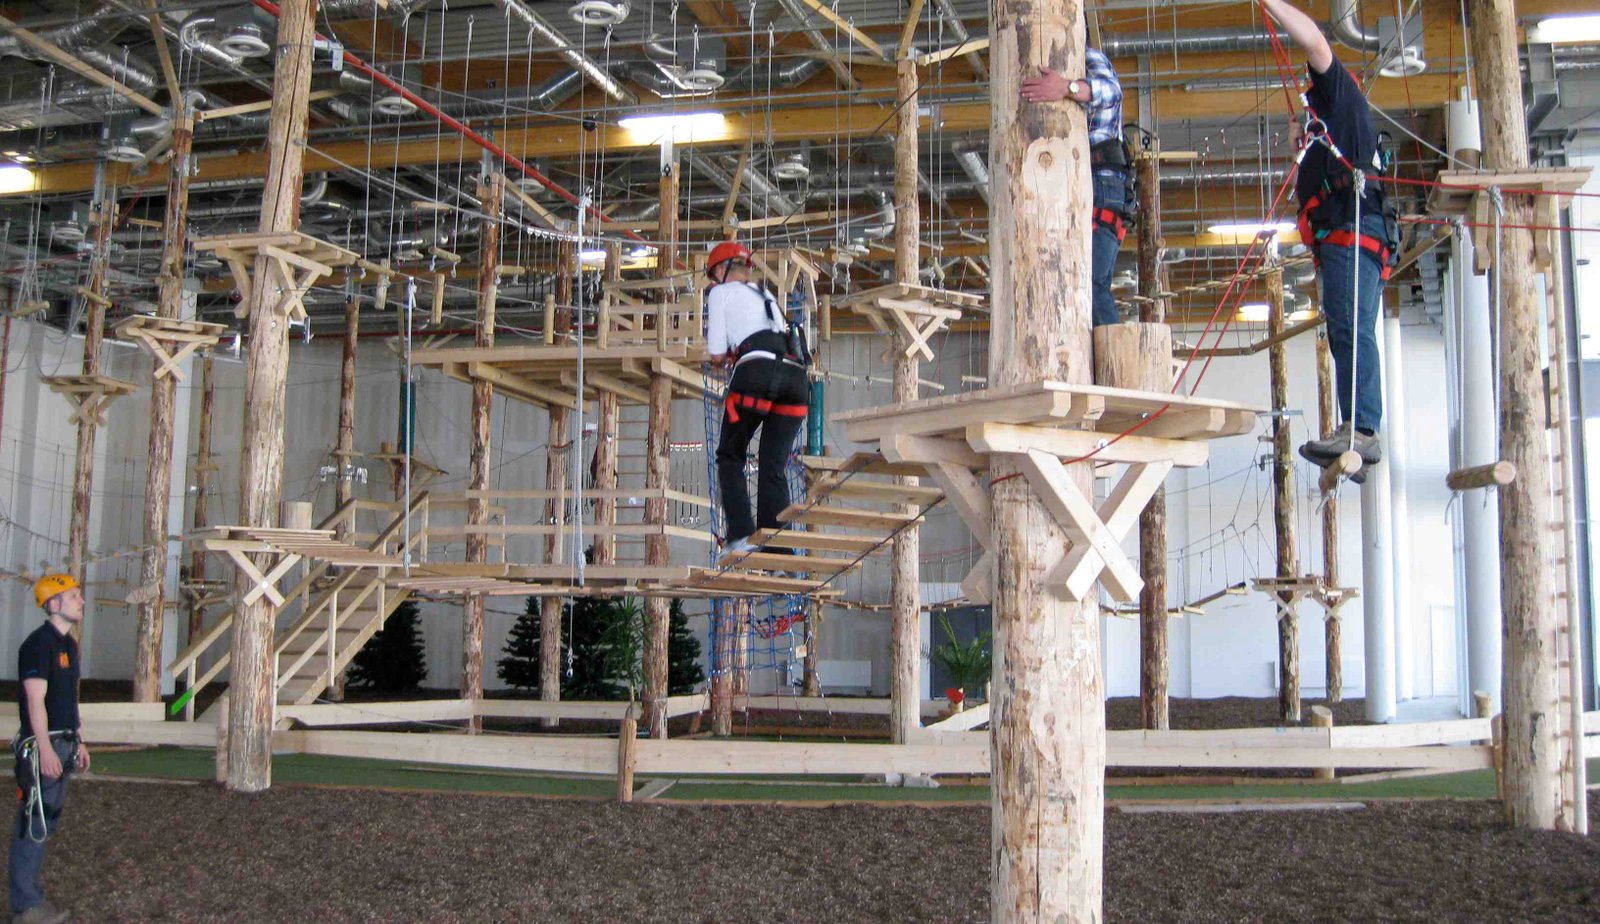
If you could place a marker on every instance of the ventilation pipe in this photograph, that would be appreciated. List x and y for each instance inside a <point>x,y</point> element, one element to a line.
<point>1398,42</point>
<point>756,192</point>
<point>656,77</point>
<point>958,29</point>
<point>975,161</point>
<point>537,27</point>
<point>68,37</point>
<point>1192,41</point>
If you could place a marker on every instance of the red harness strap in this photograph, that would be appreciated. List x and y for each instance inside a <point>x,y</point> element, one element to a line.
<point>760,406</point>
<point>1106,218</point>
<point>1347,238</point>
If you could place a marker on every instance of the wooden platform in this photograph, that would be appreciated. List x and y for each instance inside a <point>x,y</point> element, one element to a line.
<point>168,340</point>
<point>547,374</point>
<point>295,262</point>
<point>90,395</point>
<point>1078,418</point>
<point>1452,199</point>
<point>911,314</point>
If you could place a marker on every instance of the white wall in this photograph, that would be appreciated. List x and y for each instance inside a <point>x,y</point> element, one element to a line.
<point>1219,515</point>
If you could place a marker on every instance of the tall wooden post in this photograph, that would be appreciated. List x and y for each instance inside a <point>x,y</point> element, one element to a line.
<point>1047,724</point>
<point>1530,678</point>
<point>905,598</point>
<point>605,444</point>
<point>1326,422</point>
<point>94,331</point>
<point>658,474</point>
<point>163,400</point>
<point>555,515</point>
<point>1154,658</point>
<point>204,465</point>
<point>1283,504</point>
<point>491,190</point>
<point>250,691</point>
<point>344,438</point>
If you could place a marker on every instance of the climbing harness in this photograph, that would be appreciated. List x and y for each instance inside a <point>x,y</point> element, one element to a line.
<point>31,783</point>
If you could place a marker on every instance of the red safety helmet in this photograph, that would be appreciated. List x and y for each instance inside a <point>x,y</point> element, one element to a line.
<point>725,251</point>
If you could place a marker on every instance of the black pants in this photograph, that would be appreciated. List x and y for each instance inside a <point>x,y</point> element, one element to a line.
<point>757,382</point>
<point>26,861</point>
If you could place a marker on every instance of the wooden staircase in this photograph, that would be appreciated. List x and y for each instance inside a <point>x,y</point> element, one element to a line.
<point>354,607</point>
<point>848,513</point>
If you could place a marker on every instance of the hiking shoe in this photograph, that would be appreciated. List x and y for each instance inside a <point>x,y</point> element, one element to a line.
<point>741,546</point>
<point>40,914</point>
<point>1324,451</point>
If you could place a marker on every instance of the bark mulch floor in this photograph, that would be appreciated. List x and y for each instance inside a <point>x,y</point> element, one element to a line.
<point>159,852</point>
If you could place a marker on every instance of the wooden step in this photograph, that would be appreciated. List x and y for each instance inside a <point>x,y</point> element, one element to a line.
<point>877,492</point>
<point>310,639</point>
<point>812,541</point>
<point>846,518</point>
<point>742,582</point>
<point>792,564</point>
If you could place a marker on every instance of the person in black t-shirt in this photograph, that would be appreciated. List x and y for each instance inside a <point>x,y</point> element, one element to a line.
<point>47,745</point>
<point>1354,261</point>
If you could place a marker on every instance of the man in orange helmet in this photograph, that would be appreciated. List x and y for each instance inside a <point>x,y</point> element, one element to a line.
<point>767,391</point>
<point>47,745</point>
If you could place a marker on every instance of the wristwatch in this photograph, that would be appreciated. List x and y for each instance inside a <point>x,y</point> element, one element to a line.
<point>1072,88</point>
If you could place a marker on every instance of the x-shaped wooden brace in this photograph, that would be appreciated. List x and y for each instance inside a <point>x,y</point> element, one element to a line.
<point>266,584</point>
<point>1332,600</point>
<point>1288,609</point>
<point>90,406</point>
<point>914,336</point>
<point>1095,533</point>
<point>168,363</point>
<point>949,464</point>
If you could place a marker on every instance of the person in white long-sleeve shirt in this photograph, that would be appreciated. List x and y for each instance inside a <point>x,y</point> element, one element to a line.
<point>767,391</point>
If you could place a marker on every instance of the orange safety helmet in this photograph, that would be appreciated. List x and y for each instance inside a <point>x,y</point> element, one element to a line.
<point>725,251</point>
<point>51,586</point>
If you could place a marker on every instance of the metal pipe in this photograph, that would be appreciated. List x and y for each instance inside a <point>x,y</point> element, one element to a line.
<point>1191,41</point>
<point>1344,21</point>
<point>975,161</point>
<point>537,26</point>
<point>959,30</point>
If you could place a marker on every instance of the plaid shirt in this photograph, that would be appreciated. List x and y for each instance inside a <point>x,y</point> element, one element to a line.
<point>1105,98</point>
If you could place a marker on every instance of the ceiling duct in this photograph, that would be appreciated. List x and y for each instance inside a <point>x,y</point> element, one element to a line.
<point>758,76</point>
<point>958,29</point>
<point>392,104</point>
<point>540,30</point>
<point>117,141</point>
<point>1397,44</point>
<point>598,13</point>
<point>69,221</point>
<point>792,166</point>
<point>245,32</point>
<point>1191,41</point>
<point>975,161</point>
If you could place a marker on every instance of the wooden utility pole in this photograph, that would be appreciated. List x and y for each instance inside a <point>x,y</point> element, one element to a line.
<point>1326,423</point>
<point>251,691</point>
<point>491,191</point>
<point>555,481</point>
<point>204,465</point>
<point>605,444</point>
<point>163,402</point>
<point>1283,504</point>
<point>344,438</point>
<point>658,476</point>
<point>94,331</point>
<point>1530,684</point>
<point>905,598</point>
<point>1154,658</point>
<point>1047,724</point>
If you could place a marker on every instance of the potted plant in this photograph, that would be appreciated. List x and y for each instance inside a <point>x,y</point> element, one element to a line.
<point>968,666</point>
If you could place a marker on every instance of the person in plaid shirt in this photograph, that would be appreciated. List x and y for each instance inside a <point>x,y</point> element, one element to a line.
<point>1100,92</point>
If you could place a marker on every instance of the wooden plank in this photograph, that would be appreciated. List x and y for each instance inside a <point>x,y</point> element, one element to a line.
<point>813,541</point>
<point>823,758</point>
<point>847,28</point>
<point>879,492</point>
<point>846,518</point>
<point>794,564</point>
<point>970,46</point>
<point>322,715</point>
<point>1073,444</point>
<point>956,414</point>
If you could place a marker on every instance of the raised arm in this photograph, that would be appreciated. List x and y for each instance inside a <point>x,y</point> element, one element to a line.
<point>1304,31</point>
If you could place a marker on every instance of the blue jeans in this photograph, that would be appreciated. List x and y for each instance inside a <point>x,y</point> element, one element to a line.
<point>1353,314</point>
<point>1110,192</point>
<point>26,861</point>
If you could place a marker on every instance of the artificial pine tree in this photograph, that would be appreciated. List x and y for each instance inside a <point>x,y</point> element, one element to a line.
<point>392,661</point>
<point>519,669</point>
<point>683,654</point>
<point>590,675</point>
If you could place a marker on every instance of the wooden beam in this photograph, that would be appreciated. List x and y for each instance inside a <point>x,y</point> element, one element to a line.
<point>1283,501</point>
<point>1047,689</point>
<point>252,687</point>
<point>491,192</point>
<point>53,52</point>
<point>1154,656</point>
<point>658,473</point>
<point>1533,791</point>
<point>159,33</point>
<point>845,26</point>
<point>1327,418</point>
<point>150,614</point>
<point>733,193</point>
<point>909,30</point>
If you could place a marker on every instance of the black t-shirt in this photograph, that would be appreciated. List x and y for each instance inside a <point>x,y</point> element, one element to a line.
<point>1337,100</point>
<point>52,657</point>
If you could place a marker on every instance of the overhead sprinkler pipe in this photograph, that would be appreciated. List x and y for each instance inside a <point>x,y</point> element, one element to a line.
<point>459,128</point>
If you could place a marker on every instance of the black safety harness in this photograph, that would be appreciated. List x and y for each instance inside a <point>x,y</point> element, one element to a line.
<point>31,782</point>
<point>786,346</point>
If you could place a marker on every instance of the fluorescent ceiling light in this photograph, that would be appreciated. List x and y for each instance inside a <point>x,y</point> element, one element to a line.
<point>592,256</point>
<point>1566,30</point>
<point>1304,314</point>
<point>1249,228</point>
<point>643,250</point>
<point>688,126</point>
<point>1256,311</point>
<point>16,179</point>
